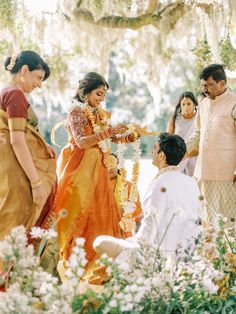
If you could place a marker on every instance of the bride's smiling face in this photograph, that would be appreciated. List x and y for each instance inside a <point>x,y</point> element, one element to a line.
<point>97,96</point>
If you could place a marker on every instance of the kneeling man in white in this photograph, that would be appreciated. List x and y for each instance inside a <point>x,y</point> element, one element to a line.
<point>171,206</point>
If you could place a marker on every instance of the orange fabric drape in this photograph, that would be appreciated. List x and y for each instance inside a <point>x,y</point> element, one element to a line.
<point>84,190</point>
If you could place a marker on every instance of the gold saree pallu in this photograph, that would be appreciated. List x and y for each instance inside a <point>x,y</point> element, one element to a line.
<point>16,202</point>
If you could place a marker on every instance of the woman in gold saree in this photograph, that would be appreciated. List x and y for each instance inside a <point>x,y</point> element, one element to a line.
<point>28,164</point>
<point>84,187</point>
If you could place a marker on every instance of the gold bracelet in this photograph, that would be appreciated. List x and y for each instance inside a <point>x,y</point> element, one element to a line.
<point>36,184</point>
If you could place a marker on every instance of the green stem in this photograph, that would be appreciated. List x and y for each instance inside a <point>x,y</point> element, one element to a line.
<point>226,237</point>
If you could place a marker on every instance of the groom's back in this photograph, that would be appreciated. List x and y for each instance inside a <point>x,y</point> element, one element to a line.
<point>174,200</point>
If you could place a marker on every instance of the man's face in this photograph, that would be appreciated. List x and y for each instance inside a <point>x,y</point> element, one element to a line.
<point>212,88</point>
<point>156,155</point>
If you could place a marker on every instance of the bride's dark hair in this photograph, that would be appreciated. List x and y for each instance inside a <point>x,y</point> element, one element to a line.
<point>91,81</point>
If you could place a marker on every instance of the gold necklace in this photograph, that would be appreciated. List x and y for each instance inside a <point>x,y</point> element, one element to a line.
<point>90,113</point>
<point>168,168</point>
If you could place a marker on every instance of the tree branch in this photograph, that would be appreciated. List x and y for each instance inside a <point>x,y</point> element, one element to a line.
<point>114,21</point>
<point>169,15</point>
<point>79,2</point>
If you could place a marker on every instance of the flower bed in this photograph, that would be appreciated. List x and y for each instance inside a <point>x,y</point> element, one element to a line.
<point>146,282</point>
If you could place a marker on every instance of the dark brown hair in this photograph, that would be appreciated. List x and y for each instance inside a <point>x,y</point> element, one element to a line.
<point>29,58</point>
<point>91,81</point>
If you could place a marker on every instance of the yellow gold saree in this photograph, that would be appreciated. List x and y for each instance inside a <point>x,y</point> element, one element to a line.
<point>16,203</point>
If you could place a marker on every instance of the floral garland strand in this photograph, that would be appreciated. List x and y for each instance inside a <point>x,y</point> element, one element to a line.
<point>123,190</point>
<point>104,145</point>
<point>102,124</point>
<point>128,202</point>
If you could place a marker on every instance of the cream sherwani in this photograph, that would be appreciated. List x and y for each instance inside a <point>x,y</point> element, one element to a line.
<point>215,137</point>
<point>170,208</point>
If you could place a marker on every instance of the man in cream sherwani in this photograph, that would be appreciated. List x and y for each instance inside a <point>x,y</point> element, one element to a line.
<point>215,138</point>
<point>170,206</point>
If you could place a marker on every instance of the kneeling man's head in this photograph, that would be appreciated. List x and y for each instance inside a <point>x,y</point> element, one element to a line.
<point>169,150</point>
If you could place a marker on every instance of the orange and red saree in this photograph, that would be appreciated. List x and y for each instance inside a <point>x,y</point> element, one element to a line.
<point>84,190</point>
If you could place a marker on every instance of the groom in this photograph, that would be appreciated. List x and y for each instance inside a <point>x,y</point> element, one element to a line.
<point>170,206</point>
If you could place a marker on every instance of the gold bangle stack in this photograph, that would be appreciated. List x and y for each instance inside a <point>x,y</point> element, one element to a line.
<point>36,184</point>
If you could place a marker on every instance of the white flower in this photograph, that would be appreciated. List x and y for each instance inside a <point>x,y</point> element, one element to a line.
<point>139,281</point>
<point>73,262</point>
<point>129,207</point>
<point>69,273</point>
<point>133,288</point>
<point>124,266</point>
<point>113,303</point>
<point>36,232</point>
<point>127,307</point>
<point>147,282</point>
<point>138,297</point>
<point>104,256</point>
<point>74,282</point>
<point>75,102</point>
<point>79,272</point>
<point>6,251</point>
<point>209,285</point>
<point>109,270</point>
<point>50,233</point>
<point>83,262</point>
<point>80,241</point>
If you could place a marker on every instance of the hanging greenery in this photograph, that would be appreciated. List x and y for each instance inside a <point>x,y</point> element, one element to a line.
<point>7,13</point>
<point>97,8</point>
<point>227,53</point>
<point>4,45</point>
<point>203,54</point>
<point>167,54</point>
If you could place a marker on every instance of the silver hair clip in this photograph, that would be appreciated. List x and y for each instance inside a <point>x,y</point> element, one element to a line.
<point>12,62</point>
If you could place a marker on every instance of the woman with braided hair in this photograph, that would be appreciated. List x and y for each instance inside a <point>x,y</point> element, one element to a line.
<point>84,187</point>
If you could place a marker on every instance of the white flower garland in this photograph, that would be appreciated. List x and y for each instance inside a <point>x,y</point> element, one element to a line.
<point>104,145</point>
<point>128,202</point>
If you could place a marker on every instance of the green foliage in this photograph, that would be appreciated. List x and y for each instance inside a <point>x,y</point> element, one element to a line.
<point>4,46</point>
<point>190,302</point>
<point>97,4</point>
<point>167,54</point>
<point>59,64</point>
<point>186,288</point>
<point>7,13</point>
<point>88,303</point>
<point>203,54</point>
<point>29,45</point>
<point>228,53</point>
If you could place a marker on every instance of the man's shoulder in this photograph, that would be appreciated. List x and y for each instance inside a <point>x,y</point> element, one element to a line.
<point>173,177</point>
<point>232,95</point>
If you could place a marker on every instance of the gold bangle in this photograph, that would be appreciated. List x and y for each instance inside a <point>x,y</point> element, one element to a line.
<point>36,184</point>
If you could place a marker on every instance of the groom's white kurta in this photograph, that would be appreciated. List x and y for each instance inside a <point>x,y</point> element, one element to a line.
<point>171,207</point>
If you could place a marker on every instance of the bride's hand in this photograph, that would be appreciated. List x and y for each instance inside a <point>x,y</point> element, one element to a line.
<point>119,129</point>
